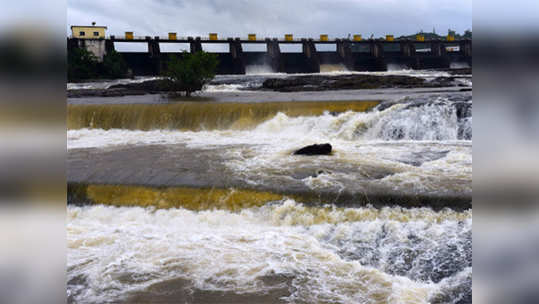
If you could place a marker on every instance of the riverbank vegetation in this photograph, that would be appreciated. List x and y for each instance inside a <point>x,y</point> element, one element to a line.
<point>83,64</point>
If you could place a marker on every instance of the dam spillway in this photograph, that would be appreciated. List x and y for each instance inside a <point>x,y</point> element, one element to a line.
<point>196,116</point>
<point>166,148</point>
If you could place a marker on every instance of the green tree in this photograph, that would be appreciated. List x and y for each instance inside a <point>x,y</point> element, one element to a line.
<point>191,72</point>
<point>81,64</point>
<point>114,65</point>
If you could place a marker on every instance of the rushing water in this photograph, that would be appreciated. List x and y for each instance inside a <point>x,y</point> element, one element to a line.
<point>321,255</point>
<point>241,238</point>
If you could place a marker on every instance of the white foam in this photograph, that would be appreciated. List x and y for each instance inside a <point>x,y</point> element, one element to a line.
<point>223,88</point>
<point>259,70</point>
<point>104,84</point>
<point>333,68</point>
<point>221,250</point>
<point>358,140</point>
<point>459,65</point>
<point>437,122</point>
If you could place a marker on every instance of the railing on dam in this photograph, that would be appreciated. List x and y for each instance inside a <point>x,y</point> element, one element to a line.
<point>186,39</point>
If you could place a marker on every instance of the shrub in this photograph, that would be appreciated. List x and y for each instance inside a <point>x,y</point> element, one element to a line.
<point>81,64</point>
<point>114,65</point>
<point>190,72</point>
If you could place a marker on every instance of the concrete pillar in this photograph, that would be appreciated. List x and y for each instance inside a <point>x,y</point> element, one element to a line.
<point>272,48</point>
<point>235,48</point>
<point>274,55</point>
<point>95,46</point>
<point>154,53</point>
<point>465,48</point>
<point>236,51</point>
<point>153,48</point>
<point>195,44</point>
<point>109,45</point>
<point>309,50</point>
<point>376,60</point>
<point>408,55</point>
<point>377,49</point>
<point>344,50</point>
<point>437,48</point>
<point>438,57</point>
<point>407,48</point>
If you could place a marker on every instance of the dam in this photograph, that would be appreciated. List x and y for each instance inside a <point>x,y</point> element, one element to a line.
<point>353,54</point>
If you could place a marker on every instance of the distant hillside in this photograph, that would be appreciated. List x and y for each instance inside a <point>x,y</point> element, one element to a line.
<point>428,36</point>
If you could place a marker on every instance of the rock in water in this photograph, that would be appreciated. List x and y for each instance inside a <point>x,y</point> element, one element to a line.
<point>322,149</point>
<point>348,82</point>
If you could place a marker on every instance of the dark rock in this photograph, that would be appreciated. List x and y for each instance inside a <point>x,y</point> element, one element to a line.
<point>442,81</point>
<point>456,71</point>
<point>460,71</point>
<point>316,149</point>
<point>147,87</point>
<point>104,93</point>
<point>320,172</point>
<point>342,82</point>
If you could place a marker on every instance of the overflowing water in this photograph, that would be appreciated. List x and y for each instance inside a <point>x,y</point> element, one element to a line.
<point>258,69</point>
<point>198,116</point>
<point>207,204</point>
<point>437,119</point>
<point>108,83</point>
<point>333,68</point>
<point>322,255</point>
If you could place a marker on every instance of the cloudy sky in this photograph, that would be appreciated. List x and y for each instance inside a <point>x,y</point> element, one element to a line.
<point>272,18</point>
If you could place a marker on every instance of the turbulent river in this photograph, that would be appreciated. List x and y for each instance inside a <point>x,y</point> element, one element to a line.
<point>202,201</point>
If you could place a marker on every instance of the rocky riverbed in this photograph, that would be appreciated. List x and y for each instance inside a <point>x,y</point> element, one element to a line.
<point>154,86</point>
<point>354,82</point>
<point>289,83</point>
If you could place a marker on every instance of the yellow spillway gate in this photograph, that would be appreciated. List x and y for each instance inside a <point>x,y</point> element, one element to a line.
<point>128,35</point>
<point>357,37</point>
<point>288,37</point>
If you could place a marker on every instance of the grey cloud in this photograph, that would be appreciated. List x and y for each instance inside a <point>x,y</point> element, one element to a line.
<point>232,18</point>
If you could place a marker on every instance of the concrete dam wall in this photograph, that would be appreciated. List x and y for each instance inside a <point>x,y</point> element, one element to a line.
<point>367,55</point>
